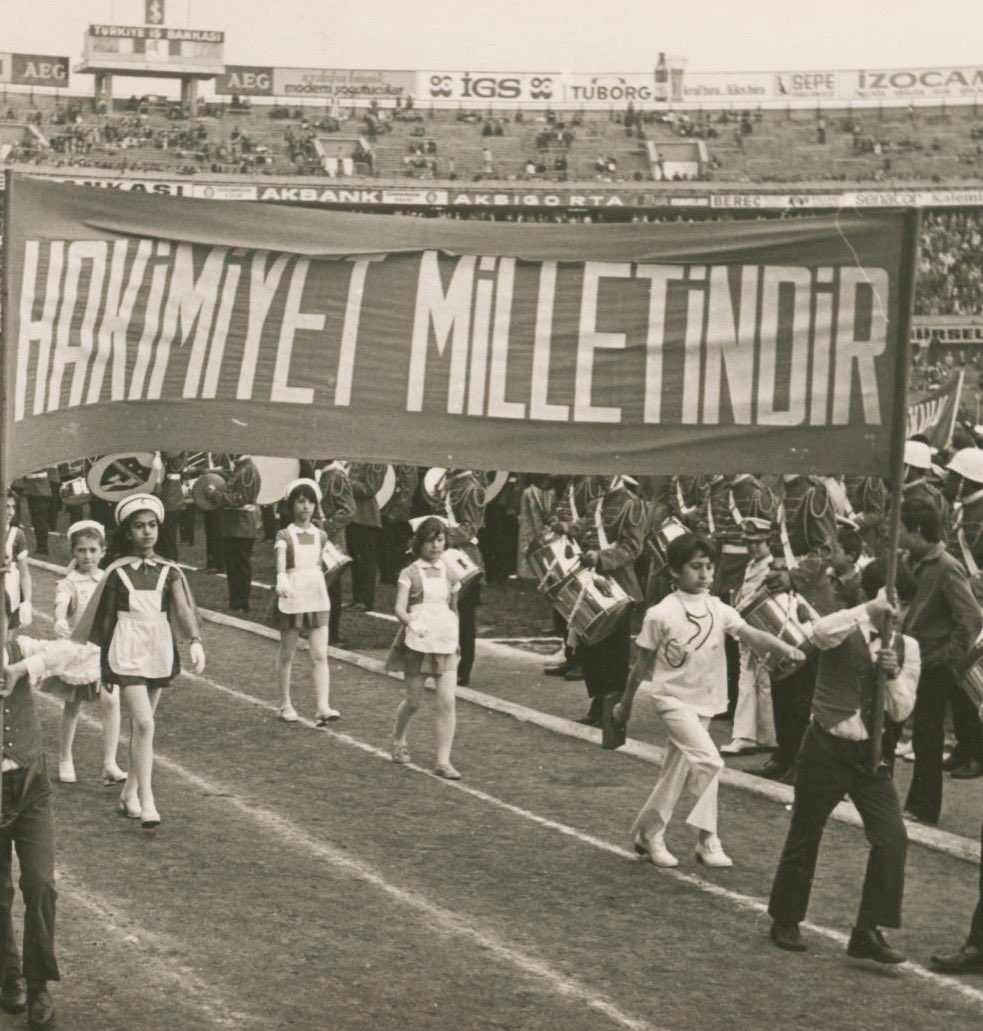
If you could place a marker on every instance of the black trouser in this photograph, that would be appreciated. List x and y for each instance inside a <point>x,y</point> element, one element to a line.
<point>271,521</point>
<point>29,827</point>
<point>791,701</point>
<point>38,508</point>
<point>214,548</point>
<point>966,725</point>
<point>467,612</point>
<point>167,538</point>
<point>239,570</point>
<point>605,664</point>
<point>562,629</point>
<point>392,551</point>
<point>334,615</point>
<point>928,737</point>
<point>186,520</point>
<point>976,927</point>
<point>54,506</point>
<point>363,546</point>
<point>499,543</point>
<point>827,768</point>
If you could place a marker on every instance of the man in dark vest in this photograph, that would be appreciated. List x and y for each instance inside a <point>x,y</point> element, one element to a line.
<point>241,525</point>
<point>835,760</point>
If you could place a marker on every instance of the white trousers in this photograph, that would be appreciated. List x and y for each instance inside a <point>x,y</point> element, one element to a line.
<point>692,764</point>
<point>754,718</point>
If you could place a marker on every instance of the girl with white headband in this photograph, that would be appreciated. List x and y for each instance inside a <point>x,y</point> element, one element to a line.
<point>139,612</point>
<point>302,601</point>
<point>78,681</point>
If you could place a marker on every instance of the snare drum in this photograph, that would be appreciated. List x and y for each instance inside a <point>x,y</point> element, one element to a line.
<point>75,492</point>
<point>591,604</point>
<point>557,557</point>
<point>667,532</point>
<point>461,569</point>
<point>786,615</point>
<point>335,562</point>
<point>971,674</point>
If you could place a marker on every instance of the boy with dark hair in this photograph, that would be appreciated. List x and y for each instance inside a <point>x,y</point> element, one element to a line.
<point>681,670</point>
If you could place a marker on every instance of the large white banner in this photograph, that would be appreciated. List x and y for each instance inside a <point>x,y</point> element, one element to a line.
<point>949,83</point>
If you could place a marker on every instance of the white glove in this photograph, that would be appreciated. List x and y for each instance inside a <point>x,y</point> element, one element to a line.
<point>197,657</point>
<point>62,629</point>
<point>26,613</point>
<point>419,628</point>
<point>282,584</point>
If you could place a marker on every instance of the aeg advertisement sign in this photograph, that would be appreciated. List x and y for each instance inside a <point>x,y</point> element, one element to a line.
<point>806,85</point>
<point>246,80</point>
<point>915,83</point>
<point>34,70</point>
<point>490,88</point>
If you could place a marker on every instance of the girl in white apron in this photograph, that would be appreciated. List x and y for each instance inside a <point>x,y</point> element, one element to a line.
<point>138,612</point>
<point>78,680</point>
<point>303,554</point>
<point>427,643</point>
<point>18,587</point>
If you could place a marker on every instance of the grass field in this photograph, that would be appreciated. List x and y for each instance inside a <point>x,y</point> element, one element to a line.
<point>301,880</point>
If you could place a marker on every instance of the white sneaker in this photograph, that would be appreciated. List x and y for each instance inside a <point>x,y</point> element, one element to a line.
<point>739,746</point>
<point>288,714</point>
<point>66,771</point>
<point>711,853</point>
<point>905,751</point>
<point>659,853</point>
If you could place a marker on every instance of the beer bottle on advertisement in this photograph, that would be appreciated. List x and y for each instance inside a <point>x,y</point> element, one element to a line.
<point>662,78</point>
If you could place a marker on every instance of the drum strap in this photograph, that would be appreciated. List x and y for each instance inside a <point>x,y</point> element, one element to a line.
<point>684,509</point>
<point>574,514</point>
<point>968,560</point>
<point>602,537</point>
<point>734,510</point>
<point>790,560</point>
<point>572,635</point>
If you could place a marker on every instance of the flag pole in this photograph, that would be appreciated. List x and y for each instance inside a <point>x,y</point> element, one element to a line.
<point>906,296</point>
<point>7,309</point>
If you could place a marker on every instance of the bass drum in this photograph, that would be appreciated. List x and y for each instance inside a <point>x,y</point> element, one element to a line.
<point>113,478</point>
<point>274,475</point>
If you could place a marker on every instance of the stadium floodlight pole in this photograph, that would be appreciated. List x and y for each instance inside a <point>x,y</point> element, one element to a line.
<point>899,429</point>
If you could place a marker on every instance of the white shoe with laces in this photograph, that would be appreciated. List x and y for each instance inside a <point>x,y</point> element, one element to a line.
<point>659,852</point>
<point>288,714</point>
<point>710,852</point>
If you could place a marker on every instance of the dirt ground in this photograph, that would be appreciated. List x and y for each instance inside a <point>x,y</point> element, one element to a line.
<point>301,880</point>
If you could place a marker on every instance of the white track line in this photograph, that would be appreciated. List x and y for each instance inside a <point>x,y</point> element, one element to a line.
<point>451,922</point>
<point>956,845</point>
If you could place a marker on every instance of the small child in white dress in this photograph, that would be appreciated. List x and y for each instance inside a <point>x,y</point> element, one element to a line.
<point>77,681</point>
<point>427,643</point>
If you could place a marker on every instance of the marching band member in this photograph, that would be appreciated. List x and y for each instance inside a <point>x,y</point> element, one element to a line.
<point>917,484</point>
<point>171,493</point>
<point>945,619</point>
<point>610,535</point>
<point>682,673</point>
<point>302,601</point>
<point>835,761</point>
<point>136,615</point>
<point>535,507</point>
<point>809,539</point>
<point>36,488</point>
<point>754,718</point>
<point>464,507</point>
<point>78,680</point>
<point>17,583</point>
<point>364,532</point>
<point>338,505</point>
<point>241,526</point>
<point>427,642</point>
<point>396,531</point>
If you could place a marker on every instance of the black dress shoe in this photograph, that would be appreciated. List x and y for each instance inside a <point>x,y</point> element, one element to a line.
<point>869,943</point>
<point>13,995</point>
<point>952,762</point>
<point>771,770</point>
<point>969,770</point>
<point>559,670</point>
<point>914,817</point>
<point>787,936</point>
<point>574,674</point>
<point>594,715</point>
<point>40,1008</point>
<point>968,960</point>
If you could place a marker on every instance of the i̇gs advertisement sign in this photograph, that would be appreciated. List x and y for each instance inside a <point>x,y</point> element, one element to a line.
<point>490,87</point>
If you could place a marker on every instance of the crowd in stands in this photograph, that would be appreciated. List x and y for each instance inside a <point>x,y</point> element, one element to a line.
<point>950,273</point>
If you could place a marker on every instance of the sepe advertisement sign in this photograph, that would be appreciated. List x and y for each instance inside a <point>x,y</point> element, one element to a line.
<point>247,80</point>
<point>343,83</point>
<point>806,85</point>
<point>914,83</point>
<point>713,87</point>
<point>34,70</point>
<point>489,88</point>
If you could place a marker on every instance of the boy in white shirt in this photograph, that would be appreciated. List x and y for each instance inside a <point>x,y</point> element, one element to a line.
<point>681,670</point>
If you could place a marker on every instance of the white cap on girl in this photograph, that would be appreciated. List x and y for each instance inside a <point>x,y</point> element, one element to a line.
<point>302,482</point>
<point>139,503</point>
<point>86,524</point>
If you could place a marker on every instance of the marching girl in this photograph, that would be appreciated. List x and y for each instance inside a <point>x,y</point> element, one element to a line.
<point>78,681</point>
<point>18,586</point>
<point>302,601</point>
<point>138,613</point>
<point>427,643</point>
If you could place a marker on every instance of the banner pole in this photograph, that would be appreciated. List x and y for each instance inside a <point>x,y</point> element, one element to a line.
<point>5,293</point>
<point>906,295</point>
